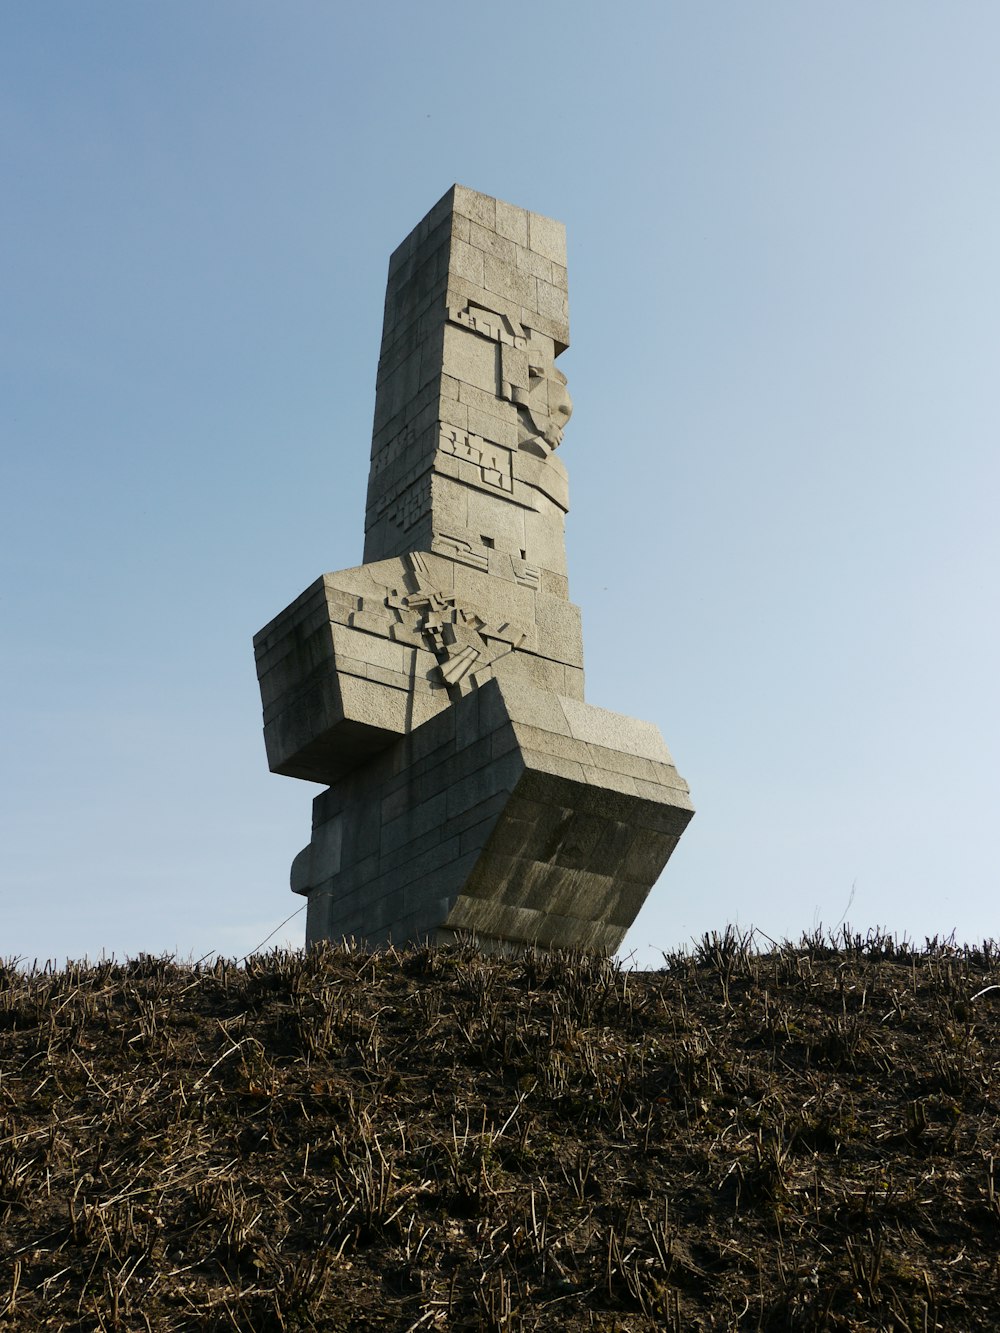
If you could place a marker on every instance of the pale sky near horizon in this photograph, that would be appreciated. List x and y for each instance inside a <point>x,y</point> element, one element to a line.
<point>783,227</point>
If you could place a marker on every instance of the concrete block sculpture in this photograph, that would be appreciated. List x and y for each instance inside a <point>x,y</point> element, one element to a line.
<point>437,689</point>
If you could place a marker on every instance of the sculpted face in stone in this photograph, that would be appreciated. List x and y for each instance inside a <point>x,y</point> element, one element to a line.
<point>560,407</point>
<point>548,406</point>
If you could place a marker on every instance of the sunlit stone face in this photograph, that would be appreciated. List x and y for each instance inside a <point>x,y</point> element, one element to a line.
<point>560,407</point>
<point>548,405</point>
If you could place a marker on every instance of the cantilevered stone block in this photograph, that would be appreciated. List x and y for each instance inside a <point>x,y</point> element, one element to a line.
<point>499,818</point>
<point>438,688</point>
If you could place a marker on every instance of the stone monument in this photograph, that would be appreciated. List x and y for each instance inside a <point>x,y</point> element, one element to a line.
<point>437,689</point>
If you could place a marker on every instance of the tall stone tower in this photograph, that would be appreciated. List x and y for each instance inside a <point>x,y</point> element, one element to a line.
<point>438,687</point>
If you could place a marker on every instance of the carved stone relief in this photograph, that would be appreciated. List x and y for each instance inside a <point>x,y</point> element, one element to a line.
<point>491,460</point>
<point>528,376</point>
<point>489,323</point>
<point>459,635</point>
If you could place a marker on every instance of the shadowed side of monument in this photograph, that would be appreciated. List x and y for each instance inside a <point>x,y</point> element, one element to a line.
<point>438,688</point>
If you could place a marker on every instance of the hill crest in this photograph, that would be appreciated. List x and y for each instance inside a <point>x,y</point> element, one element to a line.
<point>797,1139</point>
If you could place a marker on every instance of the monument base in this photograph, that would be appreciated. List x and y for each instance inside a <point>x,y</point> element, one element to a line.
<point>518,816</point>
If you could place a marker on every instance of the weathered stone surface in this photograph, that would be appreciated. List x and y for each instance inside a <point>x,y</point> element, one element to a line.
<point>563,852</point>
<point>439,686</point>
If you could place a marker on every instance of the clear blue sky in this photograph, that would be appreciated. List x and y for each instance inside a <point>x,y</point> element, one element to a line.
<point>784,231</point>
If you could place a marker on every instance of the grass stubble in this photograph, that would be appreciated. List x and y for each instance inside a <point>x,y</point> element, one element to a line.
<point>804,1137</point>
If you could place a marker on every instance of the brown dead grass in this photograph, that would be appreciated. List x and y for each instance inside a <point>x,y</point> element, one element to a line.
<point>797,1139</point>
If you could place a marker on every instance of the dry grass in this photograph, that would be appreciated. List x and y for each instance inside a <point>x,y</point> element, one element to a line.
<point>797,1139</point>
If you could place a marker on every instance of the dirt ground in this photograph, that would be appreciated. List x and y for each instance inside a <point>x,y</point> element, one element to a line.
<point>798,1139</point>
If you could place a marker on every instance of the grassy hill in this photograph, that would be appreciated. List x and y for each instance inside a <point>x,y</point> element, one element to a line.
<point>429,1140</point>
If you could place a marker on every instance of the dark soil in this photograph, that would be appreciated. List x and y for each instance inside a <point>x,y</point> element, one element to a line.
<point>803,1139</point>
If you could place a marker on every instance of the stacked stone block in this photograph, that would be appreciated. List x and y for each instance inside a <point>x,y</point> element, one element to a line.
<point>515,815</point>
<point>476,312</point>
<point>439,686</point>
